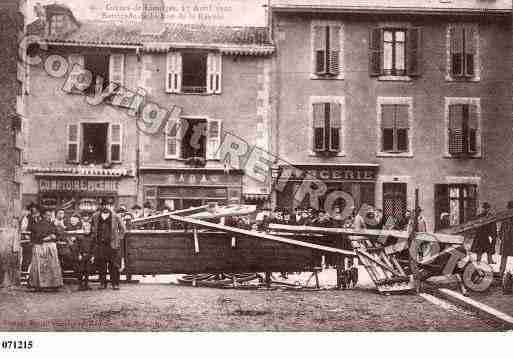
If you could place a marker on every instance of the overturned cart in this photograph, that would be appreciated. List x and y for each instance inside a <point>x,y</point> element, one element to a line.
<point>211,248</point>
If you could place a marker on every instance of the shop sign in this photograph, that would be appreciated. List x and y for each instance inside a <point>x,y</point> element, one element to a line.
<point>78,185</point>
<point>335,174</point>
<point>194,179</point>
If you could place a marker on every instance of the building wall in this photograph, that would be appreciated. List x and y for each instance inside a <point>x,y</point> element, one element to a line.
<point>11,23</point>
<point>50,110</point>
<point>428,165</point>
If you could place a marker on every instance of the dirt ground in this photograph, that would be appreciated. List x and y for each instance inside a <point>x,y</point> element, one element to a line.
<point>496,299</point>
<point>168,307</point>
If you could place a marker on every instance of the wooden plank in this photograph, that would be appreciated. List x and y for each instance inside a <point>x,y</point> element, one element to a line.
<point>379,263</point>
<point>374,233</point>
<point>479,222</point>
<point>259,235</point>
<point>397,265</point>
<point>158,217</point>
<point>476,306</point>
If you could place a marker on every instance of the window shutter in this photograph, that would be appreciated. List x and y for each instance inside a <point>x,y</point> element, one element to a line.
<point>335,127</point>
<point>376,51</point>
<point>387,126</point>
<point>115,142</point>
<point>320,49</point>
<point>470,46</point>
<point>174,72</point>
<point>318,126</point>
<point>73,143</point>
<point>173,138</point>
<point>456,129</point>
<point>117,68</point>
<point>75,71</point>
<point>213,139</point>
<point>414,38</point>
<point>214,67</point>
<point>472,129</point>
<point>456,50</point>
<point>402,126</point>
<point>334,50</point>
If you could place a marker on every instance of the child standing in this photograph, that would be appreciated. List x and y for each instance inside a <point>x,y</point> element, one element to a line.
<point>83,250</point>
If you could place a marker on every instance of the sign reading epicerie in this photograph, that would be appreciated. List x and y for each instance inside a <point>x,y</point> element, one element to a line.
<point>78,185</point>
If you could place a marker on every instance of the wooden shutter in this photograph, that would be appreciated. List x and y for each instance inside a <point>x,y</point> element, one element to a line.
<point>473,129</point>
<point>174,72</point>
<point>117,68</point>
<point>73,143</point>
<point>387,127</point>
<point>318,126</point>
<point>335,127</point>
<point>414,45</point>
<point>173,137</point>
<point>115,142</point>
<point>214,66</point>
<point>334,50</point>
<point>213,138</point>
<point>402,125</point>
<point>75,72</point>
<point>470,48</point>
<point>456,129</point>
<point>376,52</point>
<point>320,45</point>
<point>456,50</point>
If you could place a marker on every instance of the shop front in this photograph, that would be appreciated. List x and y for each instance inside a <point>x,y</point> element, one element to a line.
<point>184,188</point>
<point>325,186</point>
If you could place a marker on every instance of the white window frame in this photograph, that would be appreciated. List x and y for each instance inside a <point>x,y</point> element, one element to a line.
<point>341,100</point>
<point>111,142</point>
<point>394,101</point>
<point>77,142</point>
<point>313,75</point>
<point>214,70</point>
<point>477,55</point>
<point>209,153</point>
<point>178,138</point>
<point>463,101</point>
<point>174,67</point>
<point>111,66</point>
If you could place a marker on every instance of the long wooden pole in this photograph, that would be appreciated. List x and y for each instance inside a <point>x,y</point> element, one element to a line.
<point>260,235</point>
<point>411,241</point>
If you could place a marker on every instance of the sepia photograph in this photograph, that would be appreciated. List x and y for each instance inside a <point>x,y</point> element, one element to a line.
<point>283,167</point>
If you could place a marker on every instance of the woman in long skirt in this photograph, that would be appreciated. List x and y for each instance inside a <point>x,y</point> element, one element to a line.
<point>45,269</point>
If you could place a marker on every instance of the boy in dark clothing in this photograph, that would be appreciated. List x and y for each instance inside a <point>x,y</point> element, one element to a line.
<point>83,249</point>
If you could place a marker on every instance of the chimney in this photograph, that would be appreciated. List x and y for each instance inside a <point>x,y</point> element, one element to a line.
<point>153,17</point>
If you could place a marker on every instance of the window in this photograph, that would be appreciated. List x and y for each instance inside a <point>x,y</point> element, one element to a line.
<point>99,65</point>
<point>117,68</point>
<point>395,51</point>
<point>327,123</point>
<point>463,123</point>
<point>187,138</point>
<point>463,51</point>
<point>56,24</point>
<point>327,49</point>
<point>394,200</point>
<point>94,143</point>
<point>395,126</point>
<point>194,72</point>
<point>458,200</point>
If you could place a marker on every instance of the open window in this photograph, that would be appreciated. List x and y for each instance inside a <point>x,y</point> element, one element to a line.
<point>395,51</point>
<point>194,72</point>
<point>327,49</point>
<point>458,200</point>
<point>463,127</point>
<point>94,143</point>
<point>395,127</point>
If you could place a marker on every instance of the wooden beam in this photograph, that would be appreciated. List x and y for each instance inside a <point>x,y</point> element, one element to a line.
<point>158,217</point>
<point>482,221</point>
<point>260,235</point>
<point>428,237</point>
<point>379,263</point>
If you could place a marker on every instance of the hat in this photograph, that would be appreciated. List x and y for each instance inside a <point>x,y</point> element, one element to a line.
<point>486,205</point>
<point>136,206</point>
<point>510,205</point>
<point>147,204</point>
<point>104,202</point>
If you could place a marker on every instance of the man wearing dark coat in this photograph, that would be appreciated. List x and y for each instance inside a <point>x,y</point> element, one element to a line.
<point>506,236</point>
<point>107,234</point>
<point>482,244</point>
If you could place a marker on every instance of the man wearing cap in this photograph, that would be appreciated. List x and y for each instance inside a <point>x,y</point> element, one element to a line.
<point>108,231</point>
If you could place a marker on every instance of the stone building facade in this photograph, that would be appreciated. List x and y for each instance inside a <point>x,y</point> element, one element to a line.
<point>393,97</point>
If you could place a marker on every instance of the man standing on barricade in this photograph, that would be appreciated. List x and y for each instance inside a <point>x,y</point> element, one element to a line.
<point>107,232</point>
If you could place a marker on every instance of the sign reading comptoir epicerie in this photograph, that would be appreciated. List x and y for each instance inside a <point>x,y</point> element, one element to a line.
<point>78,185</point>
